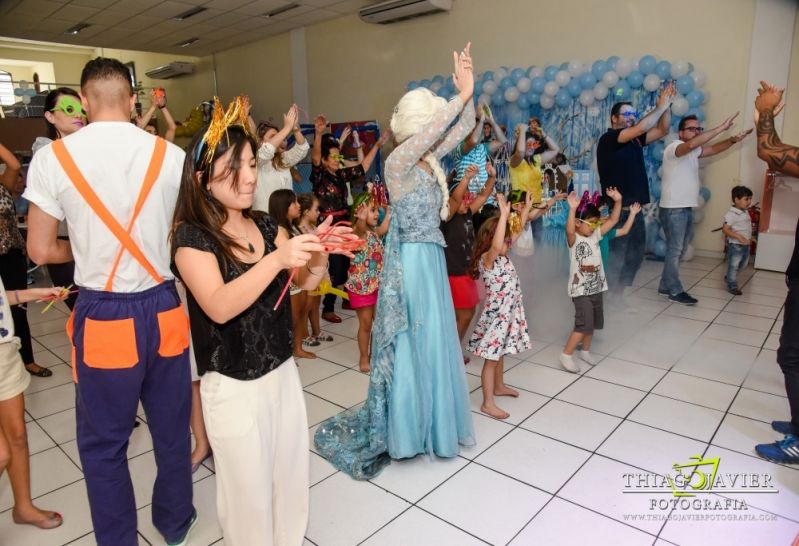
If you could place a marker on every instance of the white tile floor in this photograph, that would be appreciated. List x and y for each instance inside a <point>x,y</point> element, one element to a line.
<point>674,382</point>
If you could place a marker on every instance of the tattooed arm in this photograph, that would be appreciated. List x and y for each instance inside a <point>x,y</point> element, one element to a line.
<point>780,157</point>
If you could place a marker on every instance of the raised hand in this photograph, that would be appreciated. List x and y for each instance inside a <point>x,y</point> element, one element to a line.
<point>613,193</point>
<point>503,205</point>
<point>667,95</point>
<point>463,76</point>
<point>742,135</point>
<point>320,123</point>
<point>470,171</point>
<point>384,137</point>
<point>635,208</point>
<point>768,97</point>
<point>345,134</point>
<point>574,200</point>
<point>729,121</point>
<point>490,169</point>
<point>290,117</point>
<point>777,110</point>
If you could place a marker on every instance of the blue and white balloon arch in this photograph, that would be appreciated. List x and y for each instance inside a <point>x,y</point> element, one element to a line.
<point>573,101</point>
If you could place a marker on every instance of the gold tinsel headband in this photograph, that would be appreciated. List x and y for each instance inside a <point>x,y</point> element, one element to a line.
<point>236,114</point>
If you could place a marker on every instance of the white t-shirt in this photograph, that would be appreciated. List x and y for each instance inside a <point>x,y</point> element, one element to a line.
<point>6,321</point>
<point>680,178</point>
<point>270,178</point>
<point>740,222</point>
<point>586,272</point>
<point>113,158</point>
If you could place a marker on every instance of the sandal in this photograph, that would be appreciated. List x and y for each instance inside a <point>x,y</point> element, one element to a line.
<point>42,372</point>
<point>53,520</point>
<point>310,341</point>
<point>322,336</point>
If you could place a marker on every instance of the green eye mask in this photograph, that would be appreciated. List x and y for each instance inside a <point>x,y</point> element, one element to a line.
<point>70,106</point>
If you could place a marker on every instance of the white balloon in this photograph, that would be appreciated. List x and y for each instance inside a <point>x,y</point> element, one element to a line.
<point>489,87</point>
<point>680,106</point>
<point>547,102</point>
<point>634,63</point>
<point>700,78</point>
<point>435,86</point>
<point>511,94</point>
<point>575,67</point>
<point>536,72</point>
<point>652,82</point>
<point>523,85</point>
<point>679,68</point>
<point>601,91</point>
<point>26,99</point>
<point>593,111</point>
<point>551,89</point>
<point>688,253</point>
<point>563,78</point>
<point>586,97</point>
<point>500,73</point>
<point>485,98</point>
<point>623,67</point>
<point>610,78</point>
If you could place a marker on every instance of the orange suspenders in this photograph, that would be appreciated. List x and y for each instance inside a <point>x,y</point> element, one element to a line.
<point>123,235</point>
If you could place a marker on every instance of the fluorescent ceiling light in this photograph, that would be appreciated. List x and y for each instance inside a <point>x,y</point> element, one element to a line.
<point>75,29</point>
<point>278,11</point>
<point>190,13</point>
<point>186,43</point>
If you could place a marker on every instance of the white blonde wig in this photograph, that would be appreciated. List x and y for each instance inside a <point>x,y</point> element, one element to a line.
<point>413,112</point>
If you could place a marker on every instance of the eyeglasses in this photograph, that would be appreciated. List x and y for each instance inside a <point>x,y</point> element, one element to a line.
<point>593,225</point>
<point>70,107</point>
<point>629,114</point>
<point>694,129</point>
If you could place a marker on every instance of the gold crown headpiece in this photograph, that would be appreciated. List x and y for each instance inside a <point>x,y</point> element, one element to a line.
<point>236,114</point>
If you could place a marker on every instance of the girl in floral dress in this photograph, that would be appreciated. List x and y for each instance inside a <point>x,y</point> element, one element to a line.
<point>502,327</point>
<point>364,269</point>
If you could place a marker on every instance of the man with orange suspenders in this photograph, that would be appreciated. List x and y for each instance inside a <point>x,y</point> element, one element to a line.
<point>117,186</point>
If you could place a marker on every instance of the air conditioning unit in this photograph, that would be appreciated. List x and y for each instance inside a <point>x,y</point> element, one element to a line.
<point>171,70</point>
<point>400,10</point>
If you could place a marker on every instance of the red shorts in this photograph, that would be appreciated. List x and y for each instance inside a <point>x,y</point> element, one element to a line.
<point>358,301</point>
<point>464,291</point>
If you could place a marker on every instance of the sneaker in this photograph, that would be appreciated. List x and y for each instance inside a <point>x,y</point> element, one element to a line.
<point>664,293</point>
<point>783,427</point>
<point>785,451</point>
<point>735,291</point>
<point>683,298</point>
<point>568,363</point>
<point>310,341</point>
<point>588,358</point>
<point>183,541</point>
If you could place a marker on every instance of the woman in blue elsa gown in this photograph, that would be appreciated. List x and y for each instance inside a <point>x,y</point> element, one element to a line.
<point>418,400</point>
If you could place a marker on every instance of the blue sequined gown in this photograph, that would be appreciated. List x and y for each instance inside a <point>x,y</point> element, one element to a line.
<point>418,399</point>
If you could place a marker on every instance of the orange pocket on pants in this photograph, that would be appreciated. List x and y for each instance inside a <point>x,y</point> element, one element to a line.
<point>70,330</point>
<point>173,326</point>
<point>110,344</point>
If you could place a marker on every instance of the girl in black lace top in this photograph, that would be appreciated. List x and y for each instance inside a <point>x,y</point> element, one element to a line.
<point>234,264</point>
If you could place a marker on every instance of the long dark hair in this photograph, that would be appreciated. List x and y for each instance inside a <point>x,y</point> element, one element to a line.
<point>279,203</point>
<point>306,201</point>
<point>485,236</point>
<point>196,206</point>
<point>50,102</point>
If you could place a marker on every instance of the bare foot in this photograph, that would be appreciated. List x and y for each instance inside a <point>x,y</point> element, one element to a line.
<point>363,365</point>
<point>504,390</point>
<point>199,455</point>
<point>43,519</point>
<point>494,411</point>
<point>301,353</point>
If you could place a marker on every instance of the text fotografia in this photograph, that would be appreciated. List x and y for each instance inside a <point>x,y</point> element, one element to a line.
<point>699,476</point>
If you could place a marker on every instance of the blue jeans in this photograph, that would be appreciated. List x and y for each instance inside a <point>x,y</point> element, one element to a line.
<point>737,260</point>
<point>626,253</point>
<point>678,226</point>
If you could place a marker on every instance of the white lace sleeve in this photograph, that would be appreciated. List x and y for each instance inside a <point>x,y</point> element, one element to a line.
<point>405,156</point>
<point>295,154</point>
<point>266,153</point>
<point>458,133</point>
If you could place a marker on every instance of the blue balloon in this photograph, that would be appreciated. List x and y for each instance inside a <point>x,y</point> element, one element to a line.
<point>685,84</point>
<point>655,190</point>
<point>675,123</point>
<point>412,85</point>
<point>498,98</point>
<point>599,68</point>
<point>621,91</point>
<point>704,191</point>
<point>529,70</point>
<point>612,62</point>
<point>549,72</point>
<point>695,98</point>
<point>425,83</point>
<point>523,102</point>
<point>488,75</point>
<point>647,64</point>
<point>505,83</point>
<point>563,99</point>
<point>663,69</point>
<point>574,88</point>
<point>587,80</point>
<point>438,79</point>
<point>564,66</point>
<point>516,75</point>
<point>700,115</point>
<point>635,79</point>
<point>538,84</point>
<point>450,83</point>
<point>533,98</point>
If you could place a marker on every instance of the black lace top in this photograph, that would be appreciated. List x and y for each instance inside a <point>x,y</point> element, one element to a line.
<point>253,343</point>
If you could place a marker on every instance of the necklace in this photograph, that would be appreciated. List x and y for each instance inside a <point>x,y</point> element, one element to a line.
<point>250,247</point>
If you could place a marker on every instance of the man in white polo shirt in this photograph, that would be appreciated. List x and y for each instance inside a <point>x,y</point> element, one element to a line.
<point>680,194</point>
<point>117,185</point>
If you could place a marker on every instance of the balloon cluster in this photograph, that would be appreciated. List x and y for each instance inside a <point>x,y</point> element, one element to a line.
<point>25,92</point>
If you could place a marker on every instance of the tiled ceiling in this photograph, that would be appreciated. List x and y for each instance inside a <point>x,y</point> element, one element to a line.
<point>149,25</point>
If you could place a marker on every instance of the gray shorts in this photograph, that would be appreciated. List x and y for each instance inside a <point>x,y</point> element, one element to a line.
<point>588,313</point>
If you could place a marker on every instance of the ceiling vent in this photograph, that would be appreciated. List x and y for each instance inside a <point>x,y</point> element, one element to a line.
<point>171,70</point>
<point>400,10</point>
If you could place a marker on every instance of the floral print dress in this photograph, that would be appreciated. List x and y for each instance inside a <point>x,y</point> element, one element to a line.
<point>502,327</point>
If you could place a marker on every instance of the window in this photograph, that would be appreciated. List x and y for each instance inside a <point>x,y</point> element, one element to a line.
<point>6,89</point>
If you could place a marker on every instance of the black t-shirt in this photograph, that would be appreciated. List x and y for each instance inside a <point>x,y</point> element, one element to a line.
<point>459,235</point>
<point>793,268</point>
<point>253,343</point>
<point>622,166</point>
